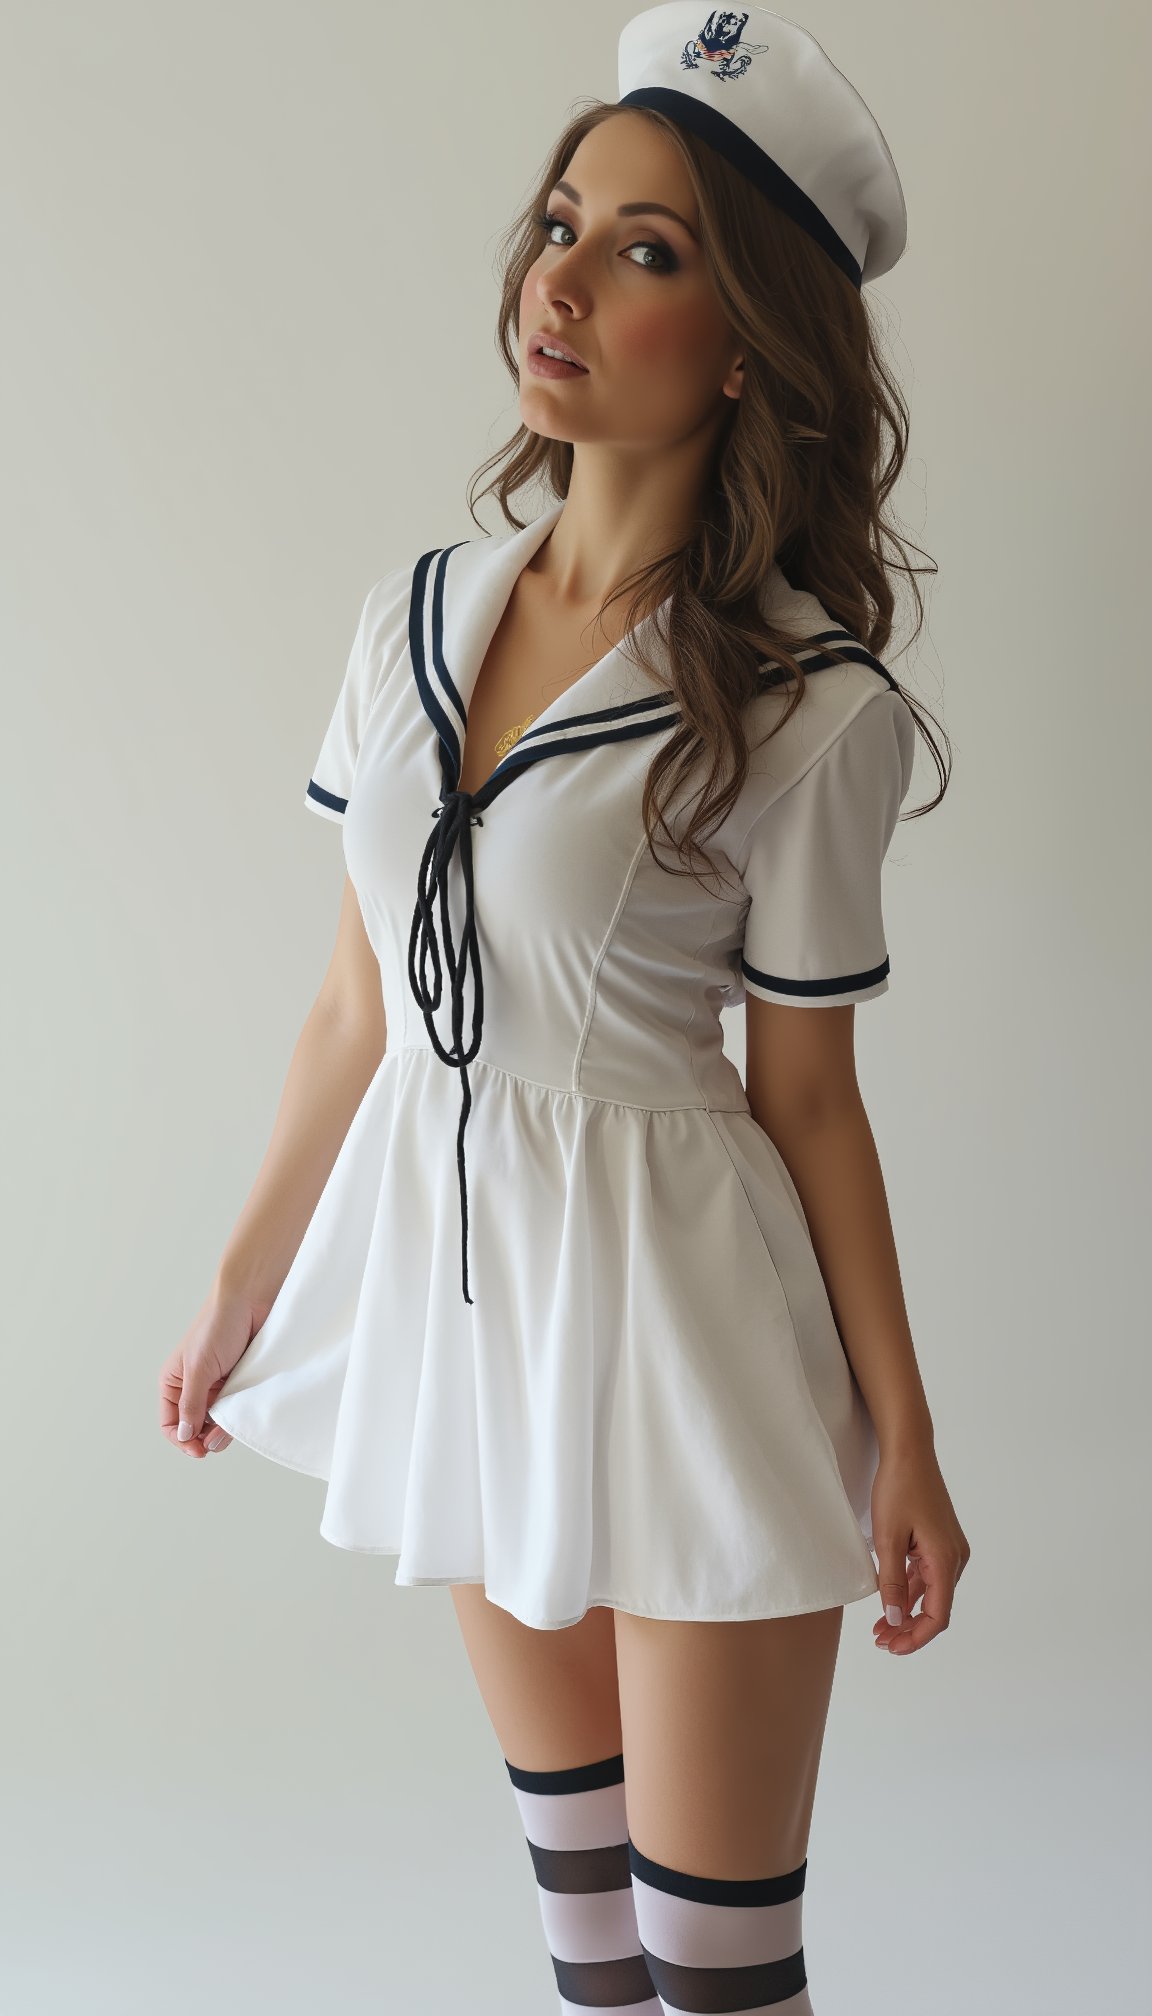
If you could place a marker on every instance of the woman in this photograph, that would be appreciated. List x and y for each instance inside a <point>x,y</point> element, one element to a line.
<point>640,1387</point>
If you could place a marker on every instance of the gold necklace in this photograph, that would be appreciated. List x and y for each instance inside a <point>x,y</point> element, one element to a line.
<point>512,735</point>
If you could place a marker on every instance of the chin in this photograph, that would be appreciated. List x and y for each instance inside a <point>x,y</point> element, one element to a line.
<point>542,423</point>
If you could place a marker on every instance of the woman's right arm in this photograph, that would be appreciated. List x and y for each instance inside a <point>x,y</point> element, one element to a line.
<point>336,1057</point>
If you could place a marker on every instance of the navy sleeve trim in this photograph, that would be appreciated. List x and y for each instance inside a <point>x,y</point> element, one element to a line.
<point>842,985</point>
<point>328,799</point>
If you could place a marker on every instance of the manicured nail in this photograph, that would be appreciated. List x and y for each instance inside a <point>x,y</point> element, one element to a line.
<point>217,1442</point>
<point>893,1613</point>
<point>184,1432</point>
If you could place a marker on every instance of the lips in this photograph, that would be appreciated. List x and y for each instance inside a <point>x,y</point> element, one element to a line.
<point>540,337</point>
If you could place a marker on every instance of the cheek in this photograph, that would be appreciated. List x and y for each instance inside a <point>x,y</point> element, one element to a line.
<point>529,299</point>
<point>663,341</point>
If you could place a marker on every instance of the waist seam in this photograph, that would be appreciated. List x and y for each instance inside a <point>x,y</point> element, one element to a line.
<point>566,1091</point>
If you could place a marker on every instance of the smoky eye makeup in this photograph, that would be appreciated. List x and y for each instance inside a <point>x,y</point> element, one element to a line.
<point>548,220</point>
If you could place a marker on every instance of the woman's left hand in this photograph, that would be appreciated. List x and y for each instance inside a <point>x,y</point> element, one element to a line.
<point>919,1545</point>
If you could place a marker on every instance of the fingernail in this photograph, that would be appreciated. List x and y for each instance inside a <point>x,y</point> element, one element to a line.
<point>217,1442</point>
<point>184,1432</point>
<point>893,1613</point>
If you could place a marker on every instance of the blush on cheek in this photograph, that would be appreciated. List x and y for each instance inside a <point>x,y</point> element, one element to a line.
<point>651,339</point>
<point>663,343</point>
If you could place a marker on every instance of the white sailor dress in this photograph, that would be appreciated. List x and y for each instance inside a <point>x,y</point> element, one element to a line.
<point>556,1325</point>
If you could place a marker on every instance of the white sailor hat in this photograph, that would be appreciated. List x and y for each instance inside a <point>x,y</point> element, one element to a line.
<point>762,92</point>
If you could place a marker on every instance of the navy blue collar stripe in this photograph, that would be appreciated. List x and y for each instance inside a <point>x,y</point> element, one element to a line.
<point>813,659</point>
<point>518,757</point>
<point>442,672</point>
<point>615,721</point>
<point>619,713</point>
<point>458,811</point>
<point>429,698</point>
<point>451,836</point>
<point>558,733</point>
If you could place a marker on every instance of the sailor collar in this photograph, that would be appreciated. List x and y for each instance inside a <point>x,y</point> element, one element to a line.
<point>458,596</point>
<point>454,612</point>
<point>448,637</point>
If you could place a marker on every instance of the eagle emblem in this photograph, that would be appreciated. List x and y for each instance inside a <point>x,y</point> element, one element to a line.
<point>718,44</point>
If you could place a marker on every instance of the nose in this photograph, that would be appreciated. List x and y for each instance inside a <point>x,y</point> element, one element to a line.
<point>559,283</point>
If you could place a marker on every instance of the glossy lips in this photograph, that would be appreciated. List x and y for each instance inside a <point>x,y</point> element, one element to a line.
<point>553,367</point>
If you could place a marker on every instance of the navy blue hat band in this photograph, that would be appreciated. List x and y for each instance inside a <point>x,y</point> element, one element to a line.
<point>762,93</point>
<point>743,153</point>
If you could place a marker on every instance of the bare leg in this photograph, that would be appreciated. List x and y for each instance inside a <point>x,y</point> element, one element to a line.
<point>722,1729</point>
<point>551,1696</point>
<point>552,1699</point>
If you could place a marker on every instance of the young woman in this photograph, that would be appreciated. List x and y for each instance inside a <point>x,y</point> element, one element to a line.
<point>603,1337</point>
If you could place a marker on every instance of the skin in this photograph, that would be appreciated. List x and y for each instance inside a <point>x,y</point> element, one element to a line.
<point>739,1707</point>
<point>662,360</point>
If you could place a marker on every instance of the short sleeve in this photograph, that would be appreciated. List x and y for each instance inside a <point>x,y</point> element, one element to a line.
<point>380,633</point>
<point>814,927</point>
<point>330,785</point>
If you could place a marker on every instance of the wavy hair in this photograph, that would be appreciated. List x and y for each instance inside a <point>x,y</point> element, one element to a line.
<point>800,476</point>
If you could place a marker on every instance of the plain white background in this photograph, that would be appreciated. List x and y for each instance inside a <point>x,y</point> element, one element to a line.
<point>248,358</point>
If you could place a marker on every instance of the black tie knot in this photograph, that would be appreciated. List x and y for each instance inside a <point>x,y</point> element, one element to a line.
<point>455,807</point>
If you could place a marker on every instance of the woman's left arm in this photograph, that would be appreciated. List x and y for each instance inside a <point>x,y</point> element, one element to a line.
<point>802,1090</point>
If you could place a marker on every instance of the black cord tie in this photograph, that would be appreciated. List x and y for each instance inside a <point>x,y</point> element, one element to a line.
<point>455,818</point>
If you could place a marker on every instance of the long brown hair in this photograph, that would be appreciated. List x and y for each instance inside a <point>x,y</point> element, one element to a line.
<point>815,443</point>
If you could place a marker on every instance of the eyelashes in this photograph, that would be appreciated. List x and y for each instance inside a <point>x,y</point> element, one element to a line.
<point>546,222</point>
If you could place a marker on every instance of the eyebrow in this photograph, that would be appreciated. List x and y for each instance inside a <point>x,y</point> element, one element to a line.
<point>632,209</point>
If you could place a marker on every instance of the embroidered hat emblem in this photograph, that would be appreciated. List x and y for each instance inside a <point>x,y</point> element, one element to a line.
<point>718,44</point>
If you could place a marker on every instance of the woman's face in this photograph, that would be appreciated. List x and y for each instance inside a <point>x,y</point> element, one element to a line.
<point>630,295</point>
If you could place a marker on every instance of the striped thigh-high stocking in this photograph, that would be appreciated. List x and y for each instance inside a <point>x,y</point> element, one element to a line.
<point>577,1831</point>
<point>721,1946</point>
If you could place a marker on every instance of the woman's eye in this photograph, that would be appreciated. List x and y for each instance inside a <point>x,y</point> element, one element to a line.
<point>649,245</point>
<point>548,223</point>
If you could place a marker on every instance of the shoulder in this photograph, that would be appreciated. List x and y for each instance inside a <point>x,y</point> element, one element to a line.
<point>848,692</point>
<point>840,701</point>
<point>841,762</point>
<point>384,611</point>
<point>382,633</point>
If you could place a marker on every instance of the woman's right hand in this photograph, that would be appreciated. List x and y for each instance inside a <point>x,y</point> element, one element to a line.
<point>191,1378</point>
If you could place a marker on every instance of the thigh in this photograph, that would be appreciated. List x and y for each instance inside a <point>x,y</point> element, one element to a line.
<point>722,1726</point>
<point>551,1696</point>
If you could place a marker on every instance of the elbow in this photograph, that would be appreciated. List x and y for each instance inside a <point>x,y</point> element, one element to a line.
<point>802,1110</point>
